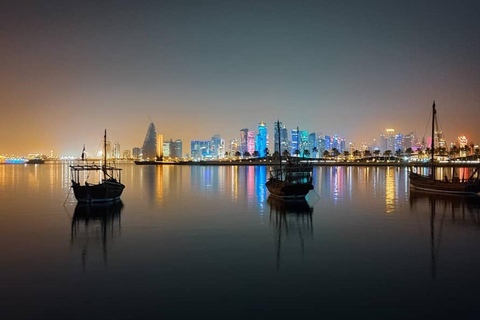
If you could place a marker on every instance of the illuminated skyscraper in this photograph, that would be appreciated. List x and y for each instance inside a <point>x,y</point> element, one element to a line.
<point>150,143</point>
<point>342,144</point>
<point>251,142</point>
<point>216,147</point>
<point>295,144</point>
<point>383,143</point>
<point>399,143</point>
<point>175,149</point>
<point>328,143</point>
<point>283,138</point>
<point>312,144</point>
<point>160,146</point>
<point>243,141</point>
<point>462,141</point>
<point>116,150</point>
<point>136,153</point>
<point>409,141</point>
<point>303,142</point>
<point>166,149</point>
<point>200,149</point>
<point>390,136</point>
<point>261,143</point>
<point>321,145</point>
<point>233,146</point>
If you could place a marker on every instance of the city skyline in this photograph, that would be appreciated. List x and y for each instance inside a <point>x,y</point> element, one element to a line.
<point>72,69</point>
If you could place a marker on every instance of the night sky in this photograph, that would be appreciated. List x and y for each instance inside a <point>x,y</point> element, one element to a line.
<point>70,69</point>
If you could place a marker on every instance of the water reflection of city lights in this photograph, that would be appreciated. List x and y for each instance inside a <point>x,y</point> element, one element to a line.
<point>234,171</point>
<point>261,192</point>
<point>389,190</point>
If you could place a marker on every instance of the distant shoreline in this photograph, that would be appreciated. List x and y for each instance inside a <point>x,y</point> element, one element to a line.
<point>315,164</point>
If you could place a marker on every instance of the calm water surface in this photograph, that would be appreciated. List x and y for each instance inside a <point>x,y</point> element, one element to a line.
<point>190,241</point>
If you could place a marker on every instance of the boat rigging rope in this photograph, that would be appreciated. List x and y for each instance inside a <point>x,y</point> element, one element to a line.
<point>68,194</point>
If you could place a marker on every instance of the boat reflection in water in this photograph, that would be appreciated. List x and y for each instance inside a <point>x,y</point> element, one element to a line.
<point>93,225</point>
<point>290,219</point>
<point>452,215</point>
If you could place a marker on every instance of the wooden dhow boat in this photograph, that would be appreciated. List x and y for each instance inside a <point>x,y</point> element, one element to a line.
<point>109,186</point>
<point>292,181</point>
<point>455,185</point>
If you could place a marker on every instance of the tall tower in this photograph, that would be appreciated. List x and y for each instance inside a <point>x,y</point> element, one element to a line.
<point>160,146</point>
<point>390,137</point>
<point>295,141</point>
<point>243,141</point>
<point>150,143</point>
<point>251,142</point>
<point>262,139</point>
<point>283,137</point>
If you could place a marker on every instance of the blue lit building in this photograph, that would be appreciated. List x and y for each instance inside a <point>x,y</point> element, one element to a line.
<point>216,147</point>
<point>277,135</point>
<point>261,141</point>
<point>328,143</point>
<point>200,149</point>
<point>321,146</point>
<point>303,142</point>
<point>312,144</point>
<point>295,141</point>
<point>399,143</point>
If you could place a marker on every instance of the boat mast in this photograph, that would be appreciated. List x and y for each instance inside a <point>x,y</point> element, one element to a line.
<point>279,146</point>
<point>298,144</point>
<point>104,167</point>
<point>432,146</point>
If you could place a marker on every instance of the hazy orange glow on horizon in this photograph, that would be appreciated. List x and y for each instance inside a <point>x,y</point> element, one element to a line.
<point>71,69</point>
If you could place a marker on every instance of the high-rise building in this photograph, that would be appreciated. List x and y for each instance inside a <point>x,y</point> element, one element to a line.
<point>243,141</point>
<point>312,144</point>
<point>160,146</point>
<point>175,149</point>
<point>390,136</point>
<point>150,143</point>
<point>261,143</point>
<point>233,147</point>
<point>283,138</point>
<point>342,144</point>
<point>321,145</point>
<point>462,141</point>
<point>383,143</point>
<point>351,148</point>
<point>328,143</point>
<point>178,149</point>
<point>136,153</point>
<point>336,143</point>
<point>295,144</point>
<point>166,149</point>
<point>215,146</point>
<point>127,154</point>
<point>408,141</point>
<point>251,142</point>
<point>399,143</point>
<point>440,141</point>
<point>116,150</point>
<point>200,149</point>
<point>221,149</point>
<point>303,141</point>
<point>277,135</point>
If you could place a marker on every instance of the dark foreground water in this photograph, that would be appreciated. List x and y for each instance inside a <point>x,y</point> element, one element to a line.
<point>189,242</point>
